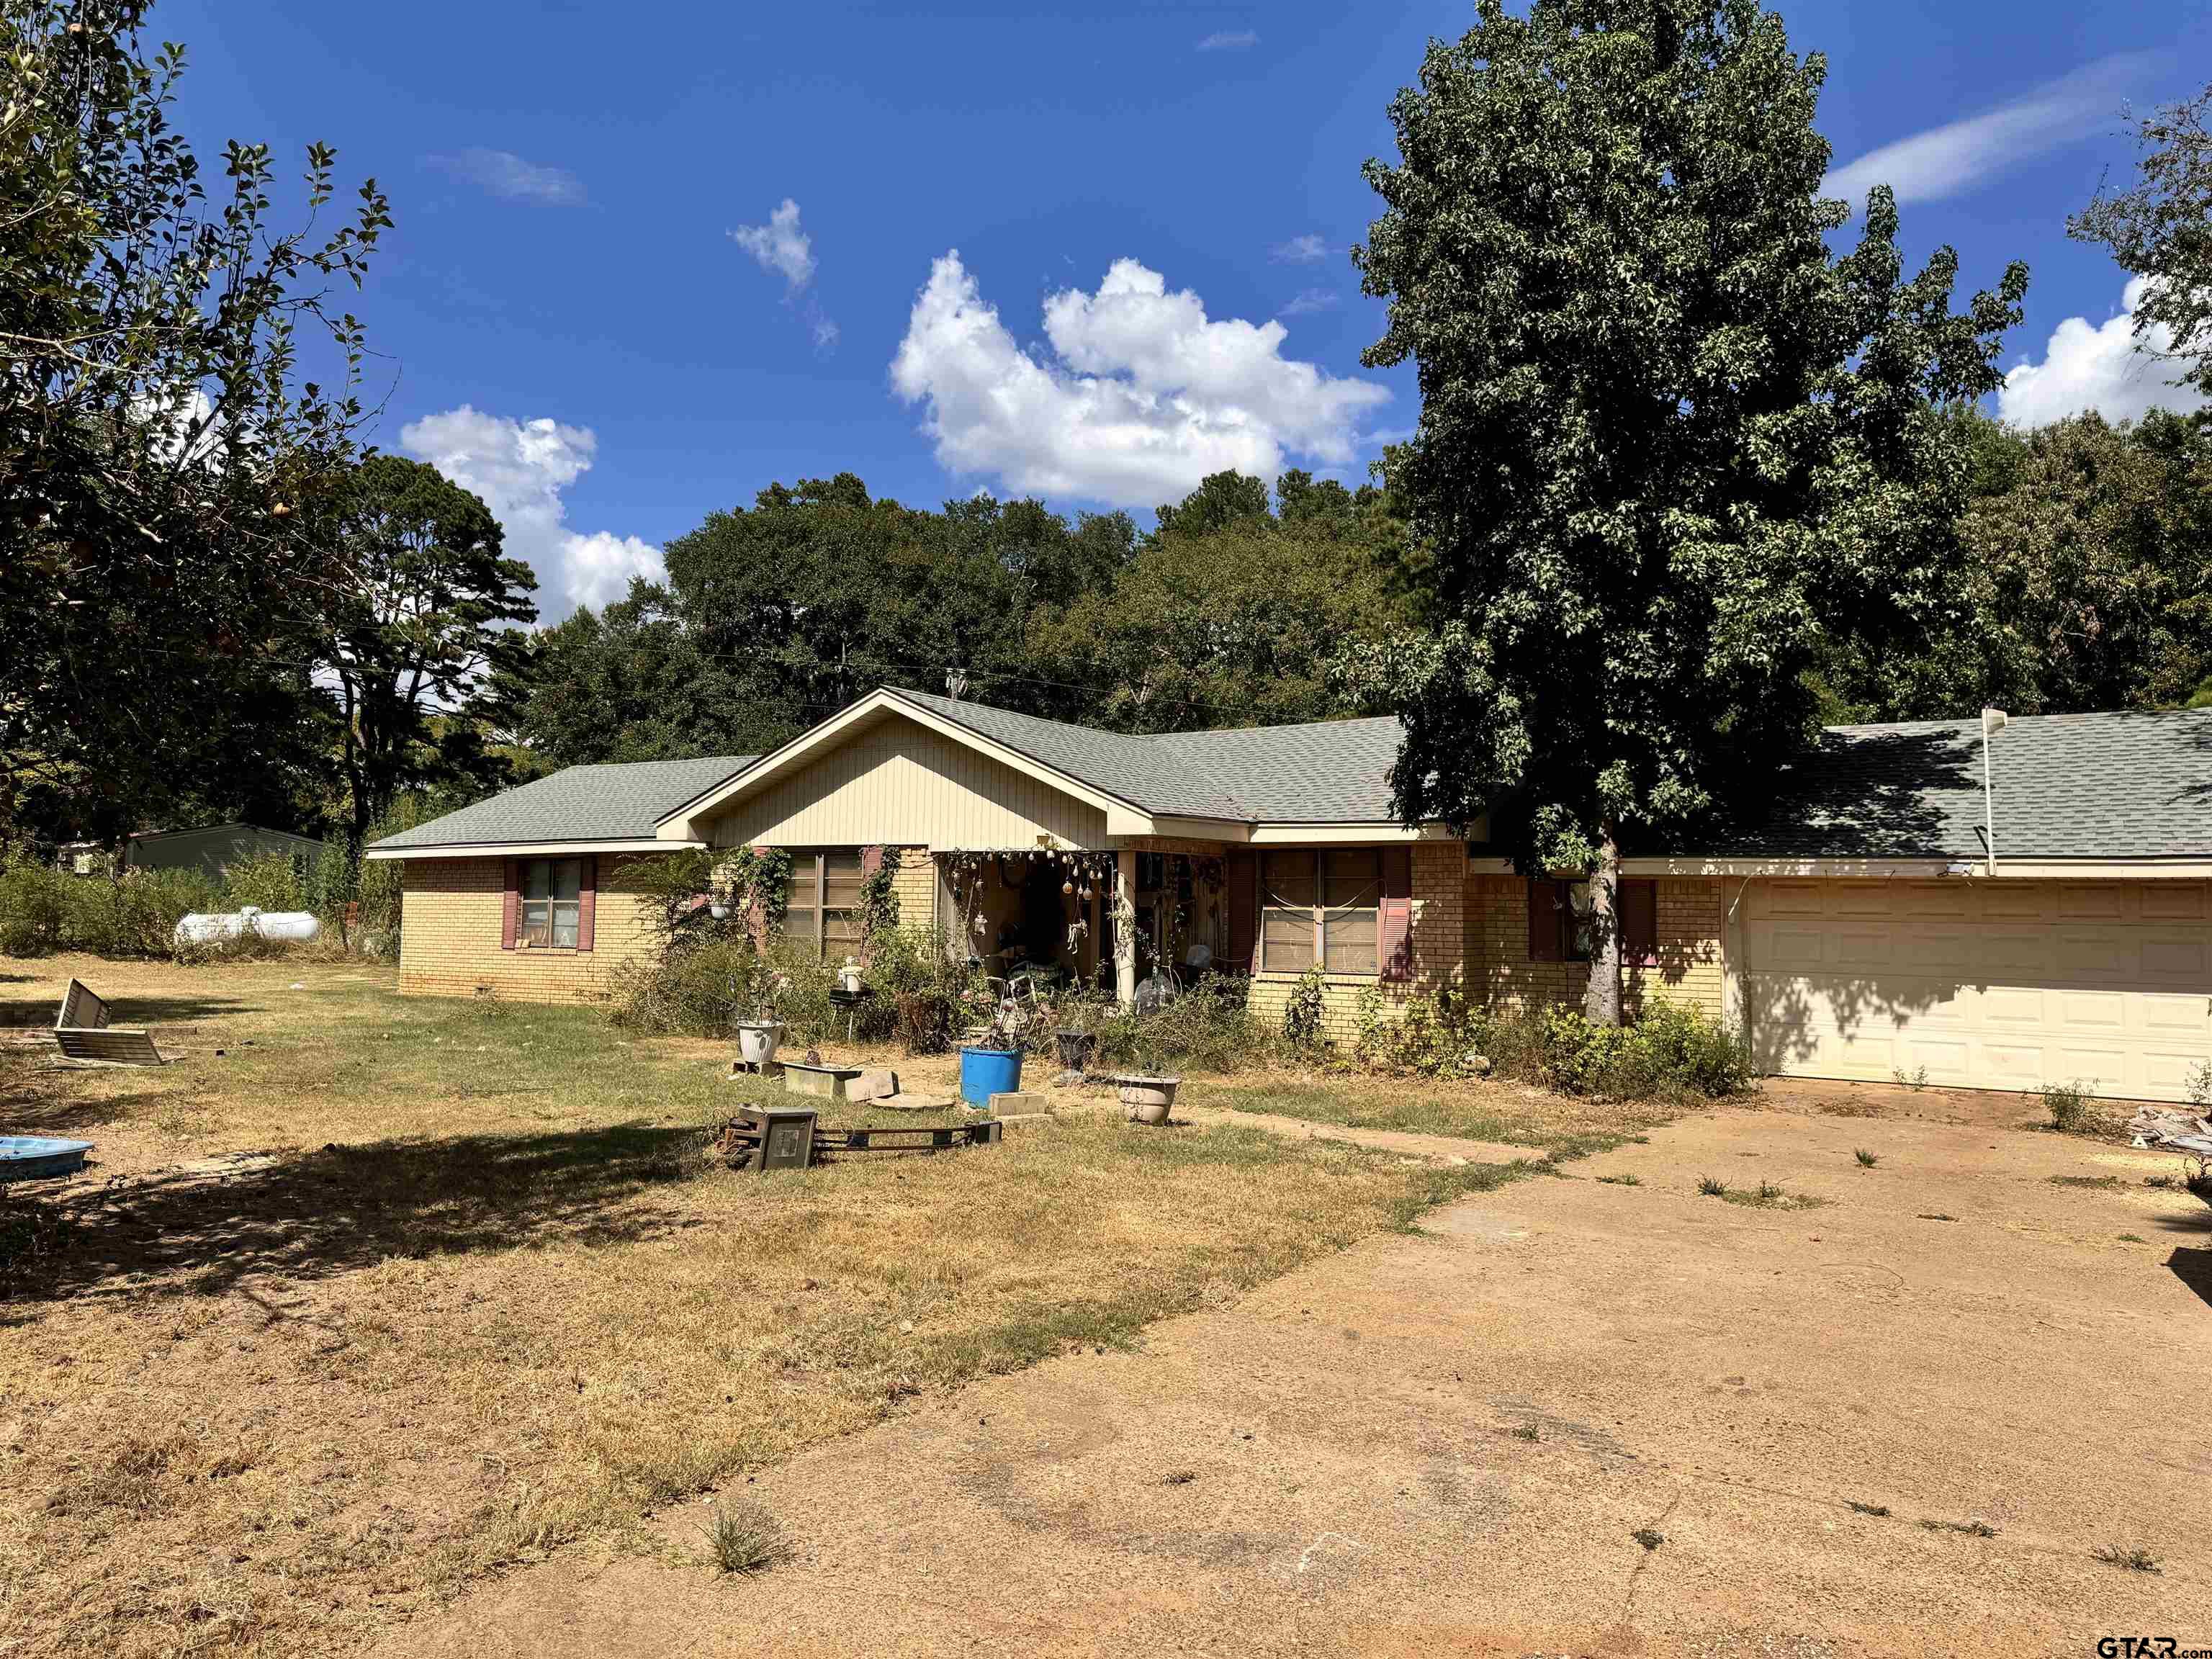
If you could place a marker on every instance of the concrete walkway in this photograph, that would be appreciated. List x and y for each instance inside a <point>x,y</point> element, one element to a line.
<point>1572,1417</point>
<point>1441,1149</point>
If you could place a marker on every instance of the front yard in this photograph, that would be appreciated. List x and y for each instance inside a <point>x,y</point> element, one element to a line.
<point>365,1298</point>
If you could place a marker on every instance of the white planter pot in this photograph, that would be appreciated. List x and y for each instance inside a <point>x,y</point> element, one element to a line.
<point>757,1041</point>
<point>1147,1099</point>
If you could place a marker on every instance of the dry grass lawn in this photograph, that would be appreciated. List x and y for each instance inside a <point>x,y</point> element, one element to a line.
<point>367,1299</point>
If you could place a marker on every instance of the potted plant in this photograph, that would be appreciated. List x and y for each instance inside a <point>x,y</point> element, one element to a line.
<point>1148,1095</point>
<point>991,1059</point>
<point>754,991</point>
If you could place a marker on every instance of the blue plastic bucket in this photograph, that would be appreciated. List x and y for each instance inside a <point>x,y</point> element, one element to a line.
<point>987,1072</point>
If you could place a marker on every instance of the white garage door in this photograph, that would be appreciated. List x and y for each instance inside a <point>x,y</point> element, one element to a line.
<point>1991,985</point>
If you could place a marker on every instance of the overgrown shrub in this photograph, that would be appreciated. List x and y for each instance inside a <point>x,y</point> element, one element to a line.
<point>1208,1028</point>
<point>2070,1105</point>
<point>1673,1051</point>
<point>133,915</point>
<point>1302,1012</point>
<point>696,986</point>
<point>1432,1033</point>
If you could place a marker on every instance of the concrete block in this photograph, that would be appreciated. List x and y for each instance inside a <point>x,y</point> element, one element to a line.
<point>824,1082</point>
<point>1025,1104</point>
<point>876,1082</point>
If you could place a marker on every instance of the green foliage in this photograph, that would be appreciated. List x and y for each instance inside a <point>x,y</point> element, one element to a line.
<point>2070,1105</point>
<point>136,913</point>
<point>879,905</point>
<point>774,616</point>
<point>1674,1052</point>
<point>1302,1011</point>
<point>1229,616</point>
<point>1209,1027</point>
<point>420,638</point>
<point>2088,578</point>
<point>166,448</point>
<point>1428,1033</point>
<point>2158,230</point>
<point>1671,448</point>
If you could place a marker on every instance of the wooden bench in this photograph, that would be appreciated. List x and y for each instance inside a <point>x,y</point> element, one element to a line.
<point>82,1031</point>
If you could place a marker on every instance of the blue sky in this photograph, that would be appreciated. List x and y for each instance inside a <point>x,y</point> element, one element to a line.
<point>597,310</point>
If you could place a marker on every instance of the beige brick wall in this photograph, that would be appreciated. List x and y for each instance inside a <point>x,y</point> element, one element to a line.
<point>1440,909</point>
<point>449,929</point>
<point>916,885</point>
<point>1689,970</point>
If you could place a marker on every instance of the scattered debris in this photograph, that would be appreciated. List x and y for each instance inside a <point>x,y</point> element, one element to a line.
<point>2134,1557</point>
<point>82,1031</point>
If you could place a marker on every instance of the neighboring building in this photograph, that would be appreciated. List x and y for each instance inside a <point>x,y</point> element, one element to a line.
<point>1864,934</point>
<point>214,849</point>
<point>85,857</point>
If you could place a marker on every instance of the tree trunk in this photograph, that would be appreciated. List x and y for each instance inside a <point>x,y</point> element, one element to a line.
<point>1601,1003</point>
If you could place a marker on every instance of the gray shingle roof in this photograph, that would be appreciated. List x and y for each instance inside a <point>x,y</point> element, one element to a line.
<point>2114,786</point>
<point>578,803</point>
<point>1331,771</point>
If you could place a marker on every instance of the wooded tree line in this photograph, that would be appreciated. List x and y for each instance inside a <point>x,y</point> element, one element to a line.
<point>1689,481</point>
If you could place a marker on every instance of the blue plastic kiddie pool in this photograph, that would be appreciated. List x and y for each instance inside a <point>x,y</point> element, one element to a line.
<point>35,1158</point>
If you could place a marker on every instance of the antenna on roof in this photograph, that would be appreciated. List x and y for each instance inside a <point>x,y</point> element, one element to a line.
<point>955,683</point>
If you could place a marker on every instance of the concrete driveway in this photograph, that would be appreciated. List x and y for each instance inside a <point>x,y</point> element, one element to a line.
<point>1448,1444</point>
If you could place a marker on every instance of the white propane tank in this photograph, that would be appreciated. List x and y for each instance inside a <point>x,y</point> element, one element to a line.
<point>203,927</point>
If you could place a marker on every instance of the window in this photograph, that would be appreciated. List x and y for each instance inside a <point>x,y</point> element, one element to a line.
<point>551,903</point>
<point>1561,928</point>
<point>823,918</point>
<point>1320,907</point>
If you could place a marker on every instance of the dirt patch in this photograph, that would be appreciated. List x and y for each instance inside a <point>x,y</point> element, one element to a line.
<point>1573,1417</point>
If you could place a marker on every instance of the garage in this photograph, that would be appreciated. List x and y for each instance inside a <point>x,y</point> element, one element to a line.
<point>1982,983</point>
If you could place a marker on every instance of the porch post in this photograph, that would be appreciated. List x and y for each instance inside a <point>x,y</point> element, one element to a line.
<point>1124,928</point>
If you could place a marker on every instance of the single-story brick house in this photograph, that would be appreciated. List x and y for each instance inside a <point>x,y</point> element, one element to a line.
<point>1868,931</point>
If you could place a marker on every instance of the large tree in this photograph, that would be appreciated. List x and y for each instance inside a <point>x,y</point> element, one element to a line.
<point>2162,231</point>
<point>2089,572</point>
<point>420,638</point>
<point>162,438</point>
<point>1233,612</point>
<point>1670,447</point>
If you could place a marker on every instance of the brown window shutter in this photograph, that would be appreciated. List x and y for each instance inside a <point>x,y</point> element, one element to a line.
<point>1393,939</point>
<point>1544,921</point>
<point>1639,922</point>
<point>587,902</point>
<point>510,909</point>
<point>1398,872</point>
<point>1241,870</point>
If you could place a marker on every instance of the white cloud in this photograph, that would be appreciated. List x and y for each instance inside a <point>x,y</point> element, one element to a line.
<point>520,468</point>
<point>503,172</point>
<point>1307,250</point>
<point>2088,366</point>
<point>785,249</point>
<point>1943,162</point>
<point>1309,300</point>
<point>781,245</point>
<point>1138,398</point>
<point>1230,40</point>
